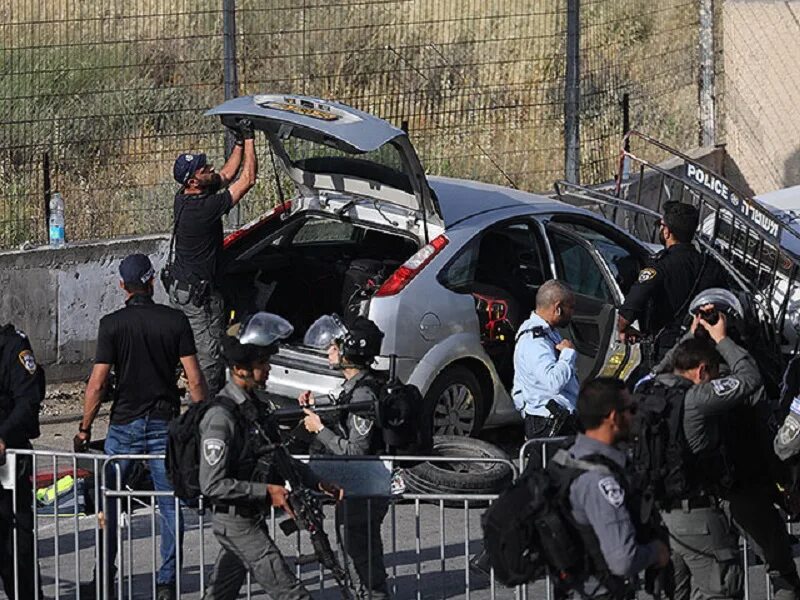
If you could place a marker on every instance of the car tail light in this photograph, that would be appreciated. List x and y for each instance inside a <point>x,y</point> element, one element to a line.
<point>249,228</point>
<point>411,268</point>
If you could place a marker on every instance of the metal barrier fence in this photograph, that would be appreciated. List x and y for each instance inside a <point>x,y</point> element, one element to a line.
<point>98,98</point>
<point>428,538</point>
<point>427,547</point>
<point>751,589</point>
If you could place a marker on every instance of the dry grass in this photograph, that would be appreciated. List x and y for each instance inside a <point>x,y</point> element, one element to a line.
<point>112,91</point>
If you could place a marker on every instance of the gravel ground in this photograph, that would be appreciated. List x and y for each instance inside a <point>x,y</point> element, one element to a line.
<point>60,414</point>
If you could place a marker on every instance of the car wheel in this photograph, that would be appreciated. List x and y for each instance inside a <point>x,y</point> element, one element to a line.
<point>457,402</point>
<point>460,477</point>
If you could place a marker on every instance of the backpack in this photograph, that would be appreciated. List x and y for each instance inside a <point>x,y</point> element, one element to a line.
<point>404,418</point>
<point>184,449</point>
<point>661,454</point>
<point>529,530</point>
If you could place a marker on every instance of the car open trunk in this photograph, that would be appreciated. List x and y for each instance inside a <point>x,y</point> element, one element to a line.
<point>312,264</point>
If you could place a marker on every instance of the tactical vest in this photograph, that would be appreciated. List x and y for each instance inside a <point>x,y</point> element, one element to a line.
<point>248,445</point>
<point>342,425</point>
<point>641,515</point>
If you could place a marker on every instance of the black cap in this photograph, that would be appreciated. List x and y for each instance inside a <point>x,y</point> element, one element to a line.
<point>136,268</point>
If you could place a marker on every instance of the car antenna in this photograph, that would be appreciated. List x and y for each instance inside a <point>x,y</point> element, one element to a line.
<point>463,79</point>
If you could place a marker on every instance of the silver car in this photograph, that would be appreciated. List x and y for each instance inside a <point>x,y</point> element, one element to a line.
<point>447,268</point>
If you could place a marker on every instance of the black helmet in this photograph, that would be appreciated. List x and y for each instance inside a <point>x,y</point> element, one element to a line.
<point>359,341</point>
<point>257,337</point>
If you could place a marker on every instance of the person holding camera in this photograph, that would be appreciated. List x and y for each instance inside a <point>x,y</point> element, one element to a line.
<point>663,288</point>
<point>731,406</point>
<point>544,364</point>
<point>192,278</point>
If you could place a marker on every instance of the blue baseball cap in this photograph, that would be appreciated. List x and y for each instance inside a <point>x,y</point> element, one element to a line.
<point>136,268</point>
<point>187,165</point>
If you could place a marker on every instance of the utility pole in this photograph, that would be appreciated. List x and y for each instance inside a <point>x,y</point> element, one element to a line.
<point>572,92</point>
<point>230,79</point>
<point>706,91</point>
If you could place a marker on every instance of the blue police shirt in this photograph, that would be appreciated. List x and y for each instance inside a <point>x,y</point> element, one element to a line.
<point>541,372</point>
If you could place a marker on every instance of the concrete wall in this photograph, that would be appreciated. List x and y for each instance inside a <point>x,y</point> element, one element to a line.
<point>761,92</point>
<point>57,297</point>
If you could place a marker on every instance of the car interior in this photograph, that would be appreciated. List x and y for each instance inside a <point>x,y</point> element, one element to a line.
<point>311,266</point>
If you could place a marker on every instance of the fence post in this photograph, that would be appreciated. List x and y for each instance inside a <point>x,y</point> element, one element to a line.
<point>572,95</point>
<point>230,79</point>
<point>706,76</point>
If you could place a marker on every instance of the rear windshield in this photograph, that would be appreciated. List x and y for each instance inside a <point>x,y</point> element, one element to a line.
<point>384,164</point>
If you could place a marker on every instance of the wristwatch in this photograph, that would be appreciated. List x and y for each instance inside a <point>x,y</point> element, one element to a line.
<point>87,431</point>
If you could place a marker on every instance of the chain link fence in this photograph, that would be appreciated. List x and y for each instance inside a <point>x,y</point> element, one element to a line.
<point>97,98</point>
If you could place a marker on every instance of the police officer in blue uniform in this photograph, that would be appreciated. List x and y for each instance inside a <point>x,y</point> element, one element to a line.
<point>544,362</point>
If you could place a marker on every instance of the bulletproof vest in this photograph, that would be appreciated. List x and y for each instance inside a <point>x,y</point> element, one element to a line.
<point>254,462</point>
<point>662,459</point>
<point>341,424</point>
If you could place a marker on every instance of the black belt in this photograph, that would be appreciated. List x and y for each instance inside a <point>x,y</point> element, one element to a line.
<point>234,510</point>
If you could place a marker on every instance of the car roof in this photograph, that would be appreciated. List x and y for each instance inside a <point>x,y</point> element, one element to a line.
<point>461,198</point>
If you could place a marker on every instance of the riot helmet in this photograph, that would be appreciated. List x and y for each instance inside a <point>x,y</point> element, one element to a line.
<point>255,338</point>
<point>724,301</point>
<point>359,341</point>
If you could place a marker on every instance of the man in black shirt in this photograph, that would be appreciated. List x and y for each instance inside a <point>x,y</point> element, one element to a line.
<point>144,343</point>
<point>21,393</point>
<point>664,288</point>
<point>199,207</point>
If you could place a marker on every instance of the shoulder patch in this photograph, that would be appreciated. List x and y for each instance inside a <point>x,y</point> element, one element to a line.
<point>612,491</point>
<point>213,450</point>
<point>725,386</point>
<point>362,425</point>
<point>27,360</point>
<point>788,431</point>
<point>647,274</point>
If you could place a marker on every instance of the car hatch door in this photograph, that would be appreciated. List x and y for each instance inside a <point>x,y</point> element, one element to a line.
<point>329,149</point>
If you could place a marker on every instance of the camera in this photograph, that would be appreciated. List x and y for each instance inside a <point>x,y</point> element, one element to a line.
<point>711,317</point>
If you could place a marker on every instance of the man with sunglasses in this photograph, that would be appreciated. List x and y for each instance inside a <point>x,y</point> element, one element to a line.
<point>602,498</point>
<point>192,278</point>
<point>659,297</point>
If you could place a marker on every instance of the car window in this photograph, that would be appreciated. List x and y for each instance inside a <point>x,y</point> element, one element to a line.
<point>315,231</point>
<point>577,267</point>
<point>623,264</point>
<point>506,257</point>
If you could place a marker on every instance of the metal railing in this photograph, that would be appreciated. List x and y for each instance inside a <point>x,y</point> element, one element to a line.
<point>428,538</point>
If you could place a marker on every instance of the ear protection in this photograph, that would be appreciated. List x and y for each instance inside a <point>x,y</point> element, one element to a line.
<point>558,311</point>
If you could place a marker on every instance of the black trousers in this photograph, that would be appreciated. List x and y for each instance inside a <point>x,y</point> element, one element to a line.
<point>22,521</point>
<point>542,427</point>
<point>753,510</point>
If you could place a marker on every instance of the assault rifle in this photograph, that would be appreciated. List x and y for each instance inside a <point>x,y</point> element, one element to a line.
<point>305,505</point>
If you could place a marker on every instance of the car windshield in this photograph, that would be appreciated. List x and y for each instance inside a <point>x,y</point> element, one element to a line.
<point>384,165</point>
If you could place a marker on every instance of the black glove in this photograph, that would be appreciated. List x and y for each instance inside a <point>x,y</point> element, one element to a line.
<point>246,129</point>
<point>237,136</point>
<point>79,444</point>
<point>332,490</point>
